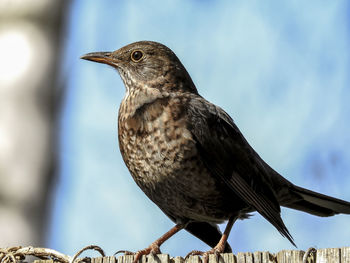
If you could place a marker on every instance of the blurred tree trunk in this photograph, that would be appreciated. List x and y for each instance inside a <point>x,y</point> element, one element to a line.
<point>30,43</point>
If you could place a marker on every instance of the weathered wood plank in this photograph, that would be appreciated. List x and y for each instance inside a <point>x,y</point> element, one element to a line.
<point>228,258</point>
<point>246,257</point>
<point>193,259</point>
<point>328,255</point>
<point>290,256</point>
<point>177,260</point>
<point>268,257</point>
<point>43,261</point>
<point>345,255</point>
<point>96,260</point>
<point>124,259</point>
<point>109,260</point>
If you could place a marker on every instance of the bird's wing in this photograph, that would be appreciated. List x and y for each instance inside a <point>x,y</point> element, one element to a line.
<point>228,156</point>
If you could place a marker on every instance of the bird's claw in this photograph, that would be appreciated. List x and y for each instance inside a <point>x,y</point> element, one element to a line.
<point>153,250</point>
<point>205,255</point>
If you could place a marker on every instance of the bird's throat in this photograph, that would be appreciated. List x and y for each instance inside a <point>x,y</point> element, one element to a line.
<point>136,99</point>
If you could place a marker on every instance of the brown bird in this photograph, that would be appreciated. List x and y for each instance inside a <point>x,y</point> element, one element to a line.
<point>189,157</point>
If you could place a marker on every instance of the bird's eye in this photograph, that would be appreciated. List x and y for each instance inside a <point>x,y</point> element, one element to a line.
<point>136,55</point>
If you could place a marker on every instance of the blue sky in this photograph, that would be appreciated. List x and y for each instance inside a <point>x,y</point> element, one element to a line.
<point>281,70</point>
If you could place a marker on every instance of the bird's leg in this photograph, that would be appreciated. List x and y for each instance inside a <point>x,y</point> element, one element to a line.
<point>154,247</point>
<point>220,247</point>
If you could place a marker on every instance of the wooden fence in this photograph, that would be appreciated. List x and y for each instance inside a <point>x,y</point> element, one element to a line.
<point>328,255</point>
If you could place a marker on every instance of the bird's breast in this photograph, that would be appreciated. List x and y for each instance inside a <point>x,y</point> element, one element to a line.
<point>155,143</point>
<point>162,157</point>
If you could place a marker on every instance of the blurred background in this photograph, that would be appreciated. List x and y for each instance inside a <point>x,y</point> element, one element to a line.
<point>281,70</point>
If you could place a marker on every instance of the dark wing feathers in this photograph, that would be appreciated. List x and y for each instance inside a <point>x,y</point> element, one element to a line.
<point>260,203</point>
<point>228,156</point>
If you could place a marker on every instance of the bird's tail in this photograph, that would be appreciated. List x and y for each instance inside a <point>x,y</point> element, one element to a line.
<point>317,204</point>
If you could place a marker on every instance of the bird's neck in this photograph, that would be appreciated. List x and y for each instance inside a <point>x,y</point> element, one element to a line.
<point>140,95</point>
<point>135,99</point>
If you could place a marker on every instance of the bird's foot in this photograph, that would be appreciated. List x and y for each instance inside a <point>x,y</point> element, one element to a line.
<point>205,255</point>
<point>153,250</point>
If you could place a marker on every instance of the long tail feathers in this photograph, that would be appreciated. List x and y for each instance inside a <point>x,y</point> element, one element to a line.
<point>318,204</point>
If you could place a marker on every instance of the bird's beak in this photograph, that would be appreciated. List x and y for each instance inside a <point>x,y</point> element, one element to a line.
<point>101,57</point>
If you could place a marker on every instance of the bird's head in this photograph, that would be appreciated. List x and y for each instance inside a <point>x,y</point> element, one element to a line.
<point>147,63</point>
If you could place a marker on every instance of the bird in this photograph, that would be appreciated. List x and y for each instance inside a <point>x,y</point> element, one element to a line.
<point>189,157</point>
